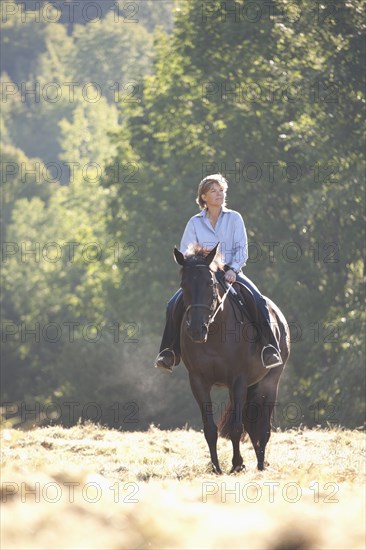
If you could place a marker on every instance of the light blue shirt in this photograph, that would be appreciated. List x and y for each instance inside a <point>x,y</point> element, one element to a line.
<point>229,232</point>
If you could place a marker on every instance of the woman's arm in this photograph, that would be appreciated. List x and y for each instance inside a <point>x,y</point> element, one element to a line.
<point>240,252</point>
<point>189,236</point>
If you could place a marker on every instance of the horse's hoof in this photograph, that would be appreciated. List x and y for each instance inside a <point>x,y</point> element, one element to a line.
<point>216,470</point>
<point>237,469</point>
<point>263,466</point>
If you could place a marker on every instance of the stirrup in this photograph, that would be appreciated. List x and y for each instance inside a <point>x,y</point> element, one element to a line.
<point>162,366</point>
<point>276,363</point>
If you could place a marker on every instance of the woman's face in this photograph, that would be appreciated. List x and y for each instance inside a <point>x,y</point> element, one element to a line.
<point>215,196</point>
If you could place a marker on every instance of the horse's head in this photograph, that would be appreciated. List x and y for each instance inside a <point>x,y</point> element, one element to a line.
<point>199,287</point>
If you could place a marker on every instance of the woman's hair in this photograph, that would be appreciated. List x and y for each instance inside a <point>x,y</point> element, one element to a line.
<point>206,184</point>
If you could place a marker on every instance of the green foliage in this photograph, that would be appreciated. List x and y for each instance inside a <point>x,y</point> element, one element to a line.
<point>65,284</point>
<point>114,55</point>
<point>93,69</point>
<point>273,104</point>
<point>297,95</point>
<point>17,183</point>
<point>19,40</point>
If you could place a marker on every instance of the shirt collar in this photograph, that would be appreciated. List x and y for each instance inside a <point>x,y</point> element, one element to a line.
<point>203,213</point>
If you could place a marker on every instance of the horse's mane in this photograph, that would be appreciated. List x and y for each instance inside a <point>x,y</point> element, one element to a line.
<point>196,253</point>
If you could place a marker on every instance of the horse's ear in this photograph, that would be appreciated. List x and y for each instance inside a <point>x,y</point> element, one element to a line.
<point>179,258</point>
<point>211,255</point>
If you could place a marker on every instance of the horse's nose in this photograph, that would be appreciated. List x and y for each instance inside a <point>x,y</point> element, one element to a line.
<point>199,335</point>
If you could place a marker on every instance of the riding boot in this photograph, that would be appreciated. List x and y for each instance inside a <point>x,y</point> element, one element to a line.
<point>169,354</point>
<point>270,353</point>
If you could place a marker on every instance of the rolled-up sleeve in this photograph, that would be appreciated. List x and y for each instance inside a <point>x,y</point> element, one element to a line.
<point>189,236</point>
<point>240,245</point>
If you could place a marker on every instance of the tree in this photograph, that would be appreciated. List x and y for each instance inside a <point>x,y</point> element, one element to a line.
<point>102,61</point>
<point>261,103</point>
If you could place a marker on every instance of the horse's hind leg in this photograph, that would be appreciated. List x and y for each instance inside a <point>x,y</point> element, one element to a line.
<point>202,395</point>
<point>258,412</point>
<point>257,424</point>
<point>237,398</point>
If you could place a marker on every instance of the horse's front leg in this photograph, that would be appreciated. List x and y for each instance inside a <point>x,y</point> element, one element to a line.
<point>201,392</point>
<point>237,396</point>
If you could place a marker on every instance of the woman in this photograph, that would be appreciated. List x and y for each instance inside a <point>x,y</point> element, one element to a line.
<point>216,223</point>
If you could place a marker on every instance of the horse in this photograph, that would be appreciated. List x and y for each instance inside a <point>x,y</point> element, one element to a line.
<point>216,355</point>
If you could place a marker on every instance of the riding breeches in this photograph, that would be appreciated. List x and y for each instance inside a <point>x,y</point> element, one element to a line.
<point>174,316</point>
<point>265,329</point>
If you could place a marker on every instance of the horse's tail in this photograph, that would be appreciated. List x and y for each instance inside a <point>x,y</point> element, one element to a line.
<point>226,422</point>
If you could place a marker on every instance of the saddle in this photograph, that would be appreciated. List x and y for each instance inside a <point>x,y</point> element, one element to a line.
<point>242,297</point>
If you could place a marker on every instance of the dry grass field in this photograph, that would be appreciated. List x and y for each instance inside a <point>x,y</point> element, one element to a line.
<point>90,487</point>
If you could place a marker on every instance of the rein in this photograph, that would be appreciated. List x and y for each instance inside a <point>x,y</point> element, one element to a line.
<point>221,305</point>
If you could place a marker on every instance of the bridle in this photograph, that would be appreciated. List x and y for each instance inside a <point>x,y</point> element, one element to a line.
<point>216,297</point>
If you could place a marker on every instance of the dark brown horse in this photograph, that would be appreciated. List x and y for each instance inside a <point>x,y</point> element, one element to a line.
<point>217,349</point>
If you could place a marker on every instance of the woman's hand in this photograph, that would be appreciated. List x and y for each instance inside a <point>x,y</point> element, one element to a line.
<point>230,276</point>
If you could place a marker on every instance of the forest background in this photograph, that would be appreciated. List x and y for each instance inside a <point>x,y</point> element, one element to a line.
<point>112,112</point>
